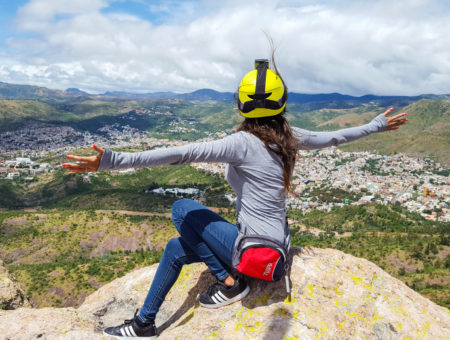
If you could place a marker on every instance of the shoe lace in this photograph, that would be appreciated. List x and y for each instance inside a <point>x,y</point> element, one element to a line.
<point>214,288</point>
<point>127,322</point>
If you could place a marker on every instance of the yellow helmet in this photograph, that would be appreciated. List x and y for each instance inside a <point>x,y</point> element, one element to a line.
<point>261,92</point>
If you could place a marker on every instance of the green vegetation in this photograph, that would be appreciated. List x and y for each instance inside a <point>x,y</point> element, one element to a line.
<point>71,253</point>
<point>107,191</point>
<point>13,112</point>
<point>67,282</point>
<point>62,255</point>
<point>320,119</point>
<point>17,113</point>
<point>407,246</point>
<point>425,135</point>
<point>79,239</point>
<point>9,194</point>
<point>330,195</point>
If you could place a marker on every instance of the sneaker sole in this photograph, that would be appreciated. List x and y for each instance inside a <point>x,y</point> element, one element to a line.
<point>154,337</point>
<point>230,301</point>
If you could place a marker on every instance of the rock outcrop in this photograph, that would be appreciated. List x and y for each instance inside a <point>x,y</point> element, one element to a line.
<point>334,296</point>
<point>12,295</point>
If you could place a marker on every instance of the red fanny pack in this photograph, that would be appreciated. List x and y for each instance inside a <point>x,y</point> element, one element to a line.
<point>261,257</point>
<point>262,262</point>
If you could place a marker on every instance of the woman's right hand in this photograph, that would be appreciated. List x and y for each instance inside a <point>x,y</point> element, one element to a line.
<point>86,164</point>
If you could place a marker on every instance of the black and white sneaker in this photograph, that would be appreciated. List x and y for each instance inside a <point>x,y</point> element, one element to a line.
<point>219,294</point>
<point>132,329</point>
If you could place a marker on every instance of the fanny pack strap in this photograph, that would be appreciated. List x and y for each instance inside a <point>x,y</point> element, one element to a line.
<point>263,240</point>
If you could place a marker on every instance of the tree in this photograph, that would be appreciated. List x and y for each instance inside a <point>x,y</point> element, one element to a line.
<point>416,252</point>
<point>447,262</point>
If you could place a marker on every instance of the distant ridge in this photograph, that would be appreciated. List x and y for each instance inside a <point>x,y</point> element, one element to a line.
<point>198,95</point>
<point>130,95</point>
<point>75,90</point>
<point>30,92</point>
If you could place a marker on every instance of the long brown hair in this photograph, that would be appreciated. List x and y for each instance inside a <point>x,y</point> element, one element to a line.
<point>276,134</point>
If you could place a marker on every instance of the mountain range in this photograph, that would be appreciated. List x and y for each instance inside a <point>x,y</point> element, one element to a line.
<point>30,92</point>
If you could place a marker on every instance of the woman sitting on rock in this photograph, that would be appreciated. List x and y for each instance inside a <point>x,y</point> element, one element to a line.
<point>261,157</point>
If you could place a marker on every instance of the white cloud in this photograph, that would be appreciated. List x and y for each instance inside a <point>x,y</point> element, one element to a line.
<point>356,47</point>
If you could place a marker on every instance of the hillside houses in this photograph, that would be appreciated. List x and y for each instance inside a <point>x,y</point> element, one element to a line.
<point>381,179</point>
<point>417,184</point>
<point>12,169</point>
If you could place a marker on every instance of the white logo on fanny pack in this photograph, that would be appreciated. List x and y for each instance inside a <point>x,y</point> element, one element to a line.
<point>266,272</point>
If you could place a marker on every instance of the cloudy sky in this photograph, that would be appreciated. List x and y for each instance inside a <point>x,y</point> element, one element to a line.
<point>384,47</point>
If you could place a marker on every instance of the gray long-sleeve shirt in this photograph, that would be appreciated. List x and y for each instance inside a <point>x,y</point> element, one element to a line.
<point>254,172</point>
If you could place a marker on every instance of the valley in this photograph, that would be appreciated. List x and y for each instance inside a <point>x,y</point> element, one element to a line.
<point>62,235</point>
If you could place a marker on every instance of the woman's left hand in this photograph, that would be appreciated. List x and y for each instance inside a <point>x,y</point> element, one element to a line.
<point>394,122</point>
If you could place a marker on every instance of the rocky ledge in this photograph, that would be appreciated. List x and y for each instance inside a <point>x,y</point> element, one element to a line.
<point>334,296</point>
<point>12,295</point>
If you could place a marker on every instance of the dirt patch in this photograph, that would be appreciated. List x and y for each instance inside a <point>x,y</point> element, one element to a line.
<point>97,235</point>
<point>86,244</point>
<point>18,253</point>
<point>94,283</point>
<point>443,281</point>
<point>220,210</point>
<point>54,273</point>
<point>400,263</point>
<point>128,212</point>
<point>16,221</point>
<point>60,228</point>
<point>442,254</point>
<point>81,297</point>
<point>68,300</point>
<point>10,229</point>
<point>345,234</point>
<point>314,231</point>
<point>57,291</point>
<point>438,128</point>
<point>35,302</point>
<point>115,242</point>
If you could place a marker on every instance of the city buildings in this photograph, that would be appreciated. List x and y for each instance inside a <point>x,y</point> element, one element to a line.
<point>417,184</point>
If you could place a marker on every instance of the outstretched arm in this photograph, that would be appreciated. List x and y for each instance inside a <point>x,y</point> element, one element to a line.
<point>227,150</point>
<point>316,140</point>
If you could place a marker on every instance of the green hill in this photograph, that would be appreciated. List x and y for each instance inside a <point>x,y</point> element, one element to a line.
<point>30,92</point>
<point>16,113</point>
<point>426,134</point>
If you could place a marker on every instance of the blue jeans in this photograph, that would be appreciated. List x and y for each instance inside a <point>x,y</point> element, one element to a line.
<point>204,237</point>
